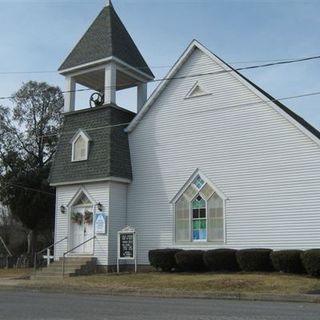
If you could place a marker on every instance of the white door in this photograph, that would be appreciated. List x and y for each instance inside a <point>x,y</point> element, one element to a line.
<point>82,229</point>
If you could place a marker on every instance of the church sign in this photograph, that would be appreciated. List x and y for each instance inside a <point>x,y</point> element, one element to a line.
<point>100,223</point>
<point>127,245</point>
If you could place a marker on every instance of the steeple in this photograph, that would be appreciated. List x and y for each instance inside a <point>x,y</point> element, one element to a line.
<point>106,59</point>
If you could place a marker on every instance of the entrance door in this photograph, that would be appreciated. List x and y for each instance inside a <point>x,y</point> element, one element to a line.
<point>81,226</point>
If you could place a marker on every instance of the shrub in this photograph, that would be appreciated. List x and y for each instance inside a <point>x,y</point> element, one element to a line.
<point>287,261</point>
<point>254,259</point>
<point>221,259</point>
<point>190,260</point>
<point>311,261</point>
<point>163,259</point>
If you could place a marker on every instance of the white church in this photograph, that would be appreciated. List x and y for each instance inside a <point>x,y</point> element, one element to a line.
<point>209,160</point>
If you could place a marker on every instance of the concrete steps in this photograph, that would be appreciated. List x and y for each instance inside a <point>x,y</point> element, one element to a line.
<point>74,266</point>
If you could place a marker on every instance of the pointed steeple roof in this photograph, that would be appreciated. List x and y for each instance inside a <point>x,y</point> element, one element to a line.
<point>106,37</point>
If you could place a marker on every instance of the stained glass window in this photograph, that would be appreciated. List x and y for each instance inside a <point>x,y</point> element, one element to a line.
<point>198,182</point>
<point>199,213</point>
<point>215,218</point>
<point>182,219</point>
<point>199,219</point>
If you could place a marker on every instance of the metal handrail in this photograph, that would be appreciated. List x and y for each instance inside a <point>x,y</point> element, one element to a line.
<point>5,246</point>
<point>46,249</point>
<point>79,245</point>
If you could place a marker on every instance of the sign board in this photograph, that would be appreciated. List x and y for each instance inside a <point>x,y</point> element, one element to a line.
<point>127,245</point>
<point>100,224</point>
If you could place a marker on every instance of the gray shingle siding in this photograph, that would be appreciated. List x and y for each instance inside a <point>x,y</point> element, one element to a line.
<point>109,153</point>
<point>106,37</point>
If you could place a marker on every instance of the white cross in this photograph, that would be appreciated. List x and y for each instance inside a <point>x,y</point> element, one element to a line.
<point>48,257</point>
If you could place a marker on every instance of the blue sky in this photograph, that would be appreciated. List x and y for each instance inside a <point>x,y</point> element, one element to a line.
<point>37,36</point>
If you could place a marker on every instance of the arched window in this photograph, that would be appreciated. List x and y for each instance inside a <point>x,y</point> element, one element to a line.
<point>80,146</point>
<point>199,213</point>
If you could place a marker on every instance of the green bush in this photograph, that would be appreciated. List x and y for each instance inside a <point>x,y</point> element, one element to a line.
<point>254,259</point>
<point>163,259</point>
<point>287,261</point>
<point>221,260</point>
<point>311,261</point>
<point>190,260</point>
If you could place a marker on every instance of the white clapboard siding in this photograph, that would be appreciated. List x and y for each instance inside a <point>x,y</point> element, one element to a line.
<point>265,165</point>
<point>117,217</point>
<point>99,192</point>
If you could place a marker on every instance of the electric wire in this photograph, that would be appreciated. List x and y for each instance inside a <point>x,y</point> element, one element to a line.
<point>125,85</point>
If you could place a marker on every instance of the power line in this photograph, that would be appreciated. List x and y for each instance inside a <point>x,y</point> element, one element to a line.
<point>28,188</point>
<point>303,95</point>
<point>124,85</point>
<point>154,67</point>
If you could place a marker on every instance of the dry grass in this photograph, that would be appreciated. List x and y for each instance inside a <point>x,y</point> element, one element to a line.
<point>15,273</point>
<point>184,283</point>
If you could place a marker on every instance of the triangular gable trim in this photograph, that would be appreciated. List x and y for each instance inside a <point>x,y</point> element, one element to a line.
<point>190,180</point>
<point>288,114</point>
<point>193,91</point>
<point>77,194</point>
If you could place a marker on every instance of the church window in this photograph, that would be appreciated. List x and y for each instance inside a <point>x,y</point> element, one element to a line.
<point>80,146</point>
<point>199,213</point>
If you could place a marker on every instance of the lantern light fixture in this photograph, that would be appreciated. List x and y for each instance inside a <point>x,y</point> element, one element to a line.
<point>63,209</point>
<point>99,206</point>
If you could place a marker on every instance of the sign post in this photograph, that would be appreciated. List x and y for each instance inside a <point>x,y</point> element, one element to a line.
<point>127,246</point>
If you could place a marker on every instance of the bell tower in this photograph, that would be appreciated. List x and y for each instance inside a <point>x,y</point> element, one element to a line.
<point>105,60</point>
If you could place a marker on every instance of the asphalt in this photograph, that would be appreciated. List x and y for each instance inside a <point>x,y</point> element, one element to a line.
<point>36,305</point>
<point>16,285</point>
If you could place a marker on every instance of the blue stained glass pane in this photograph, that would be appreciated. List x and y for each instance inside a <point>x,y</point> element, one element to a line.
<point>196,235</point>
<point>202,234</point>
<point>198,182</point>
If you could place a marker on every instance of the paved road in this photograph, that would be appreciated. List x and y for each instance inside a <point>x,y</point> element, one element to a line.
<point>39,305</point>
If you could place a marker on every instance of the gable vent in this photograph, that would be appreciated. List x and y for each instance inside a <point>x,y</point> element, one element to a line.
<point>196,91</point>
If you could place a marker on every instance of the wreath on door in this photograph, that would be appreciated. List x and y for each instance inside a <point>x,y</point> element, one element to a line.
<point>88,217</point>
<point>77,217</point>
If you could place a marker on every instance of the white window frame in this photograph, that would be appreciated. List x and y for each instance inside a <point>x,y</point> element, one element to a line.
<point>216,190</point>
<point>85,136</point>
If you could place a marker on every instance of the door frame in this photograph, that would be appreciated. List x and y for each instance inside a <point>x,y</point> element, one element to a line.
<point>70,206</point>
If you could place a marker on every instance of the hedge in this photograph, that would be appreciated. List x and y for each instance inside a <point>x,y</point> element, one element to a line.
<point>254,260</point>
<point>221,260</point>
<point>163,259</point>
<point>190,260</point>
<point>287,261</point>
<point>311,262</point>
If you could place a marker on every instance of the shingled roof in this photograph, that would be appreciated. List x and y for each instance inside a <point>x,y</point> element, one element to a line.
<point>109,154</point>
<point>106,37</point>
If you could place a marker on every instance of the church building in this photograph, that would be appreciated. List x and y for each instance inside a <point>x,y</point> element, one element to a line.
<point>209,160</point>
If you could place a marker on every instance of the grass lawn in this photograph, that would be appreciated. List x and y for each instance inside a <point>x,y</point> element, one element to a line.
<point>15,273</point>
<point>184,283</point>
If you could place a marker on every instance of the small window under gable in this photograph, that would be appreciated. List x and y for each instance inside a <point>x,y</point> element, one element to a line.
<point>82,200</point>
<point>80,146</point>
<point>196,91</point>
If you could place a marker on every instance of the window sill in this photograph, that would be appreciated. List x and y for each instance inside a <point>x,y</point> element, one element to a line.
<point>200,243</point>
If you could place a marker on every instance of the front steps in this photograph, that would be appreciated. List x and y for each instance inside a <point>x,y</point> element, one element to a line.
<point>74,266</point>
